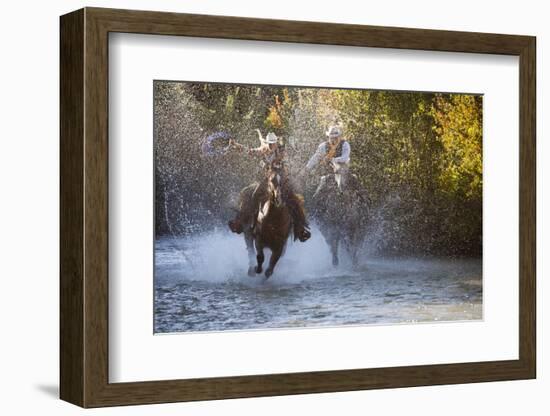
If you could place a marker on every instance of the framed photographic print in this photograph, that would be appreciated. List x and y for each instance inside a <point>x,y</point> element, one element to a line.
<point>255,207</point>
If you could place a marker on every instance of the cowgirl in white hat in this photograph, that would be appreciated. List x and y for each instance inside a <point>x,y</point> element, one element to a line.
<point>270,152</point>
<point>272,156</point>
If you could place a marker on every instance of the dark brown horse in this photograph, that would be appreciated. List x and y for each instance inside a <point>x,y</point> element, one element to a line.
<point>271,226</point>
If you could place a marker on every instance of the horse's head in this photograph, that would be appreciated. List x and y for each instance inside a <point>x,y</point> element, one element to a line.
<point>341,174</point>
<point>274,187</point>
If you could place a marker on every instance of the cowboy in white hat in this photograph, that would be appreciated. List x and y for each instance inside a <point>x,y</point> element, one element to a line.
<point>334,151</point>
<point>333,155</point>
<point>272,156</point>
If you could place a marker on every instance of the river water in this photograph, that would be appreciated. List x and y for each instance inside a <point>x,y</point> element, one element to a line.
<point>201,284</point>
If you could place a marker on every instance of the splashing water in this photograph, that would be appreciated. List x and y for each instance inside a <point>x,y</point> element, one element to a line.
<point>220,256</point>
<point>201,284</point>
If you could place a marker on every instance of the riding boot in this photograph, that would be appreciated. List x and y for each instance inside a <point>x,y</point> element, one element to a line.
<point>302,234</point>
<point>235,225</point>
<point>301,231</point>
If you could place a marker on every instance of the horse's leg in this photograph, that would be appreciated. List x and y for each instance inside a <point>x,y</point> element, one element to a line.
<point>358,244</point>
<point>354,257</point>
<point>249,239</point>
<point>334,248</point>
<point>356,235</point>
<point>275,256</point>
<point>320,187</point>
<point>352,247</point>
<point>259,257</point>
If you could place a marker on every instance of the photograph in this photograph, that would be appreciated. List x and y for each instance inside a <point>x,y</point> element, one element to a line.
<point>283,207</point>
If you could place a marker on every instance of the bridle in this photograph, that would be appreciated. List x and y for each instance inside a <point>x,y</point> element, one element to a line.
<point>274,187</point>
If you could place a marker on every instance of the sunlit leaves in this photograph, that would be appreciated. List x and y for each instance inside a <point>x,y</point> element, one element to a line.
<point>458,122</point>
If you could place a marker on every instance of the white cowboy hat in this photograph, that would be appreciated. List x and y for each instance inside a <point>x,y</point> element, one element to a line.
<point>271,138</point>
<point>334,131</point>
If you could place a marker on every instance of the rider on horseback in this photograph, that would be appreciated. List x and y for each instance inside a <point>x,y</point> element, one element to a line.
<point>272,159</point>
<point>333,155</point>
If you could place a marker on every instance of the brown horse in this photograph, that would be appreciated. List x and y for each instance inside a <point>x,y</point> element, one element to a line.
<point>271,227</point>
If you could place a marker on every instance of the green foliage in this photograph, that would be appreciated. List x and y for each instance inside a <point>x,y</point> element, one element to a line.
<point>419,155</point>
<point>279,114</point>
<point>458,123</point>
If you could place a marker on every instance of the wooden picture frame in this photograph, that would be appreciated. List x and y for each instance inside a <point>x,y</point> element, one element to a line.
<point>84,207</point>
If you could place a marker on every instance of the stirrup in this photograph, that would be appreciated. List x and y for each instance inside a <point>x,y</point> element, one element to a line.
<point>303,235</point>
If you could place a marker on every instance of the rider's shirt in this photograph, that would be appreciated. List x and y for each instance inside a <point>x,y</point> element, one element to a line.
<point>341,154</point>
<point>270,158</point>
